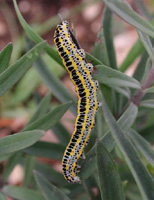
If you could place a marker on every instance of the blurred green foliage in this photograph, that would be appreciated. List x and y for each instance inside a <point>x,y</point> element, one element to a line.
<point>120,164</point>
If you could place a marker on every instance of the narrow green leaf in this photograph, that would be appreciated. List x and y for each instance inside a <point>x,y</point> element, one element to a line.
<point>87,185</point>
<point>108,34</point>
<point>99,127</point>
<point>41,109</point>
<point>5,56</point>
<point>35,37</point>
<point>50,173</point>
<point>19,141</point>
<point>146,71</point>
<point>11,163</point>
<point>125,122</point>
<point>140,173</point>
<point>48,120</point>
<point>56,86</point>
<point>124,91</point>
<point>147,103</point>
<point>61,132</point>
<point>77,191</point>
<point>108,94</point>
<point>10,76</point>
<point>28,170</point>
<point>140,69</point>
<point>22,193</point>
<point>124,10</point>
<point>109,180</point>
<point>92,59</point>
<point>2,197</point>
<point>133,53</point>
<point>100,51</point>
<point>147,44</point>
<point>142,145</point>
<point>140,5</point>
<point>149,90</point>
<point>132,192</point>
<point>29,83</point>
<point>48,190</point>
<point>5,157</point>
<point>88,166</point>
<point>115,78</point>
<point>46,150</point>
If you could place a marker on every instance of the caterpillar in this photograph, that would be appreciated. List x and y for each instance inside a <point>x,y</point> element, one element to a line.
<point>74,60</point>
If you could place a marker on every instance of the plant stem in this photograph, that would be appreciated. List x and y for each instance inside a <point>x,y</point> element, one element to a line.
<point>149,80</point>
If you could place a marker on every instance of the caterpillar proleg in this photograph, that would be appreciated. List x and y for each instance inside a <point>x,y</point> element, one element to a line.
<point>74,60</point>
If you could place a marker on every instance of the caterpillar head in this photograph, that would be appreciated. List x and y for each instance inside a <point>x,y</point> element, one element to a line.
<point>65,23</point>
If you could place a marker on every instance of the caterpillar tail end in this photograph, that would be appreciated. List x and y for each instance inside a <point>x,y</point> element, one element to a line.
<point>75,179</point>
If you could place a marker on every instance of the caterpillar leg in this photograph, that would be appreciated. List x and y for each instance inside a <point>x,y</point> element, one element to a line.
<point>83,156</point>
<point>77,169</point>
<point>99,104</point>
<point>76,179</point>
<point>87,142</point>
<point>89,66</point>
<point>96,84</point>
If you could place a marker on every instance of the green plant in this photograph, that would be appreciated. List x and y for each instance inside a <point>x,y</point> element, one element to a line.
<point>120,165</point>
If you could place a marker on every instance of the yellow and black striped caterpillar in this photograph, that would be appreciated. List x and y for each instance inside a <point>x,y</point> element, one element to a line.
<point>74,60</point>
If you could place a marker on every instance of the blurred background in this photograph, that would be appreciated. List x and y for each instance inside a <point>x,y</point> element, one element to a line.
<point>85,16</point>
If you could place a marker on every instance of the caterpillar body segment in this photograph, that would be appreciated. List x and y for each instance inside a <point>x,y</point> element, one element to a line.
<point>80,74</point>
